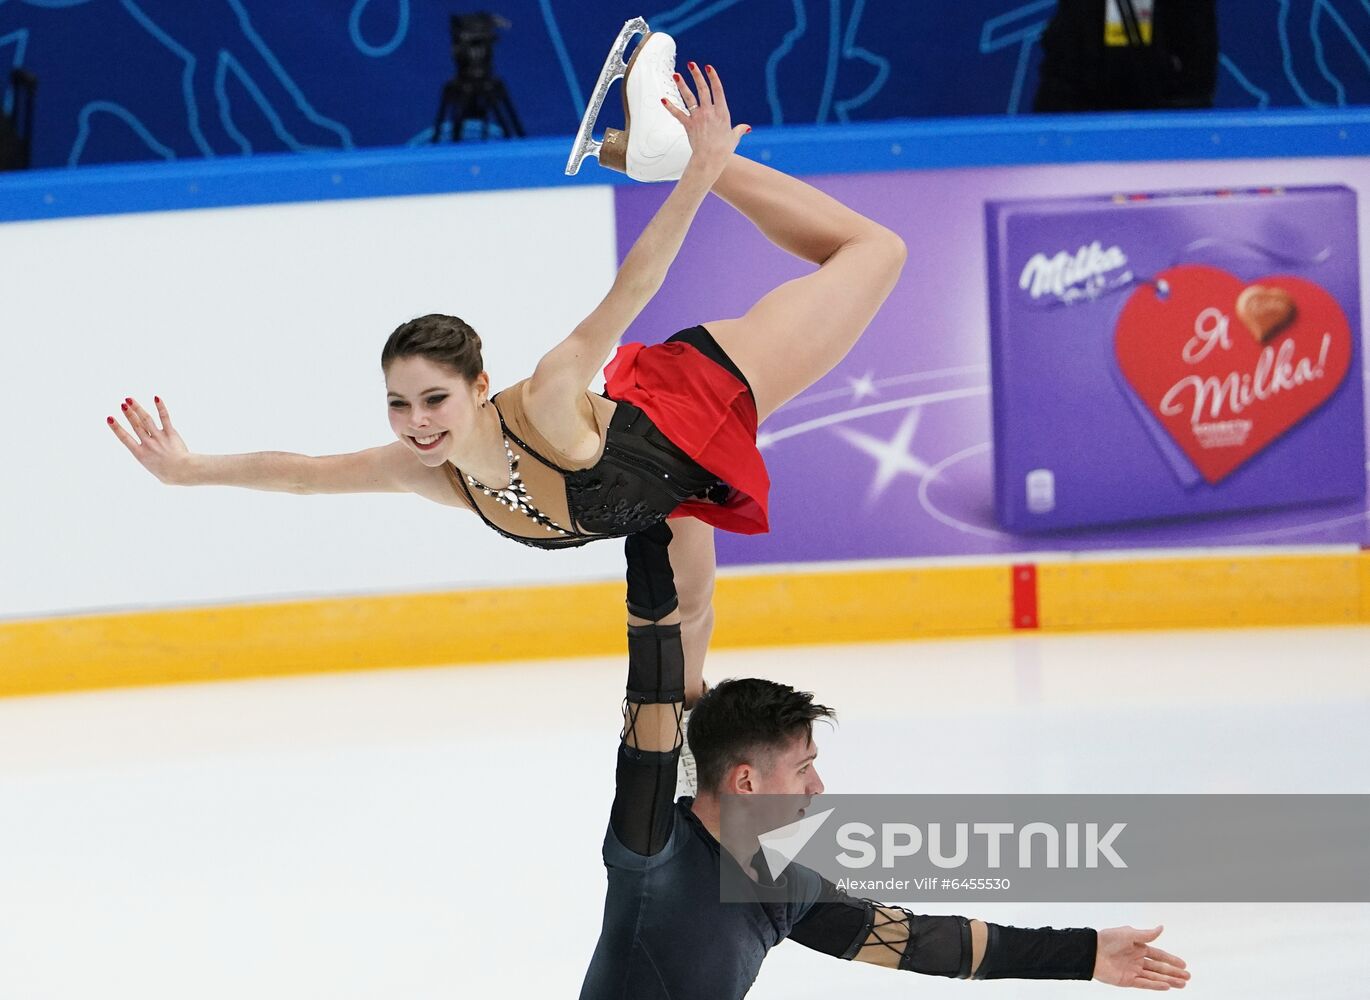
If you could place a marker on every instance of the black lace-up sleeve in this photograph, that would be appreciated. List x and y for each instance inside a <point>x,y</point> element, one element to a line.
<point>866,931</point>
<point>649,748</point>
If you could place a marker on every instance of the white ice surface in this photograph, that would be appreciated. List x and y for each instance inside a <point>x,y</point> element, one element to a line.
<point>435,833</point>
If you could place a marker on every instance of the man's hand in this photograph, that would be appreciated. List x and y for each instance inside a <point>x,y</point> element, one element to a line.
<point>1125,957</point>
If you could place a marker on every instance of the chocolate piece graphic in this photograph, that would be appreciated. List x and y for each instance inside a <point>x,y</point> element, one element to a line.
<point>1266,311</point>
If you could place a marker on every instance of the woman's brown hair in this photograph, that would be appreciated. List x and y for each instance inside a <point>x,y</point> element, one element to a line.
<point>444,340</point>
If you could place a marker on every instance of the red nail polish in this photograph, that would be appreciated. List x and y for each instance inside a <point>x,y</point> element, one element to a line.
<point>123,406</point>
<point>128,399</point>
<point>158,399</point>
<point>110,419</point>
<point>664,101</point>
<point>709,69</point>
<point>693,66</point>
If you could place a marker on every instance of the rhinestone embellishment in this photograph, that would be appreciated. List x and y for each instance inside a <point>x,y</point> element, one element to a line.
<point>515,496</point>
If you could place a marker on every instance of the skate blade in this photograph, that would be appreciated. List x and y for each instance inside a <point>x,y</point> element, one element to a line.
<point>614,67</point>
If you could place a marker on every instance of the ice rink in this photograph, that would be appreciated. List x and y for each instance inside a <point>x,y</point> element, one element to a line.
<point>435,832</point>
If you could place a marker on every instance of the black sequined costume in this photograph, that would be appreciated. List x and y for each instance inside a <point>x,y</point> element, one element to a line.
<point>639,478</point>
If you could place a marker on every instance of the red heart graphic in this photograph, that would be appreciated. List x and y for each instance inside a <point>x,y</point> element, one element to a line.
<point>1221,394</point>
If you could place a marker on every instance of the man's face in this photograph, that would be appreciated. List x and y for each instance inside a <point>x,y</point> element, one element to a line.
<point>790,770</point>
<point>775,788</point>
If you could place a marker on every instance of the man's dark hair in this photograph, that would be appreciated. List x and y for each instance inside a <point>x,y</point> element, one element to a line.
<point>739,719</point>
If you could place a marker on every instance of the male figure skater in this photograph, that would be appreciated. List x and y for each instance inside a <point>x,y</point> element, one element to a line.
<point>666,933</point>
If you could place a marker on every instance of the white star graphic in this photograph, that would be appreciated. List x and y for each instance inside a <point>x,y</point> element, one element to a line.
<point>862,387</point>
<point>892,457</point>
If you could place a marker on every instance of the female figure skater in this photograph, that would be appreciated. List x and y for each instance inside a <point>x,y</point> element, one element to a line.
<point>548,463</point>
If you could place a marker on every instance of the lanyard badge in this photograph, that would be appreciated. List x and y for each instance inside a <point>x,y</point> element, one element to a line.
<point>1128,22</point>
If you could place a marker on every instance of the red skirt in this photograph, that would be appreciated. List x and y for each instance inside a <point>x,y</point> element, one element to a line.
<point>709,415</point>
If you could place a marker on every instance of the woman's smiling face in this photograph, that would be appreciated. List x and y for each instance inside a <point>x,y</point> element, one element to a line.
<point>432,409</point>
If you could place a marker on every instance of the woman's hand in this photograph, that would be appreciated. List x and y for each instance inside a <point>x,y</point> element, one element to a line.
<point>160,450</point>
<point>1125,957</point>
<point>570,366</point>
<point>707,122</point>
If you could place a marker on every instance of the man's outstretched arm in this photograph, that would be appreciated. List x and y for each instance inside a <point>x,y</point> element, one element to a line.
<point>649,750</point>
<point>890,936</point>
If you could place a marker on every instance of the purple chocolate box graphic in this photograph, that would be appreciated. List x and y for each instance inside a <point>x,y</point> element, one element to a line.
<point>1172,355</point>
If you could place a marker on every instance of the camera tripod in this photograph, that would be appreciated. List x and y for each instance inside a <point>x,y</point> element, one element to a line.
<point>481,100</point>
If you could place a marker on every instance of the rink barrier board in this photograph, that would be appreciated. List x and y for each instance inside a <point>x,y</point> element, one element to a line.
<point>754,609</point>
<point>1365,586</point>
<point>1204,593</point>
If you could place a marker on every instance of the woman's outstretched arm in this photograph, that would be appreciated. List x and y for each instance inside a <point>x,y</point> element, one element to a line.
<point>158,447</point>
<point>567,370</point>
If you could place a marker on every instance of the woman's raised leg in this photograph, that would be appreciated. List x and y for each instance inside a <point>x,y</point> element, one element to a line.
<point>798,332</point>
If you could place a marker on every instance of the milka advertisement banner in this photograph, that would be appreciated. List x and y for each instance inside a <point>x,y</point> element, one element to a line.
<point>1166,355</point>
<point>1081,357</point>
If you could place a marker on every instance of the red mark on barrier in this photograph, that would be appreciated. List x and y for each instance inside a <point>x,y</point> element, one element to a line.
<point>1025,596</point>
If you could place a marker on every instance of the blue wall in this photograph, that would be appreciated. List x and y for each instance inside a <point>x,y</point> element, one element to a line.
<point>148,79</point>
<point>538,162</point>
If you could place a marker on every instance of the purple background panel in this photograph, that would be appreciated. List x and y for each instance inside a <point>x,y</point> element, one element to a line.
<point>889,455</point>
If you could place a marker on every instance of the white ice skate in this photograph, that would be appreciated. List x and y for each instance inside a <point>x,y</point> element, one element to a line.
<point>656,148</point>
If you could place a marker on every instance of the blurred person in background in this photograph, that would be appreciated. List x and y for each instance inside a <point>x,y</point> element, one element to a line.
<point>1129,55</point>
